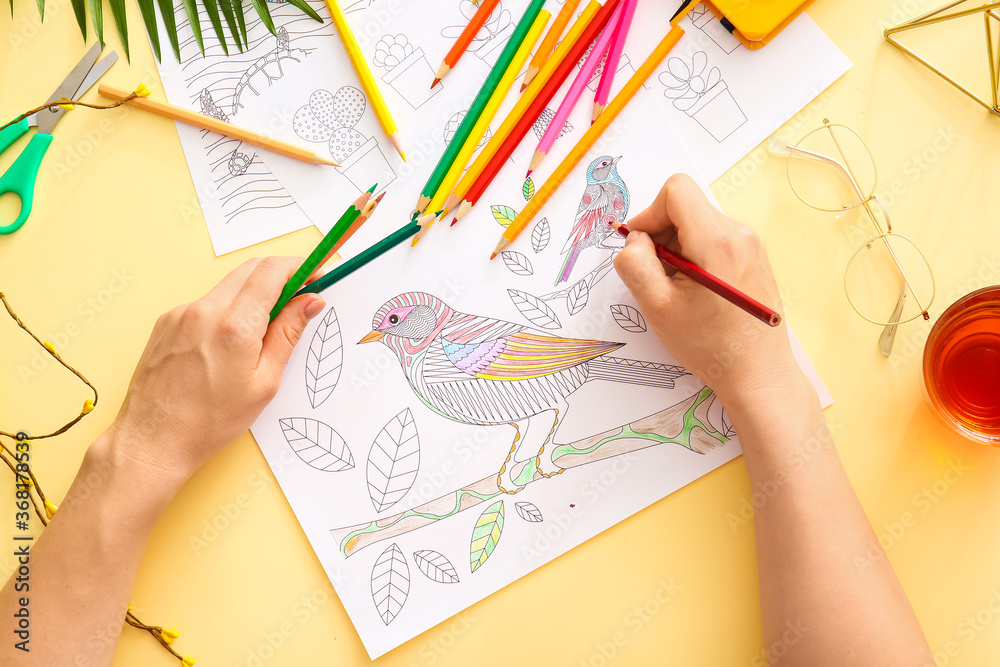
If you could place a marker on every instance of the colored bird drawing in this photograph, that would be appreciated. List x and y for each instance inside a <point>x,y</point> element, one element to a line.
<point>485,371</point>
<point>604,202</point>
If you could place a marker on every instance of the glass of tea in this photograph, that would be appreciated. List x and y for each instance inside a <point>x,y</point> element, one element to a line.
<point>962,366</point>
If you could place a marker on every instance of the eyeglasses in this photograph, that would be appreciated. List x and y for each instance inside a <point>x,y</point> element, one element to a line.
<point>888,281</point>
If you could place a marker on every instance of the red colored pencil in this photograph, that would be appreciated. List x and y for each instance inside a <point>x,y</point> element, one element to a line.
<point>461,45</point>
<point>545,95</point>
<point>717,285</point>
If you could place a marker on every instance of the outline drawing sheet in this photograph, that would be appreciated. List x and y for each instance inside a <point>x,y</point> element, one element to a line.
<point>460,414</point>
<point>242,200</point>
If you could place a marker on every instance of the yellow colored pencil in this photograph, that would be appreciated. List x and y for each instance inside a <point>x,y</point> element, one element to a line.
<point>489,113</point>
<point>589,138</point>
<point>549,43</point>
<point>365,74</point>
<point>525,101</point>
<point>215,125</point>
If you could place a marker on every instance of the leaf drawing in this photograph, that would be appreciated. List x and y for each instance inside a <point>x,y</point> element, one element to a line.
<point>486,534</point>
<point>503,215</point>
<point>528,511</point>
<point>317,444</point>
<point>534,309</point>
<point>628,318</point>
<point>324,360</point>
<point>540,235</point>
<point>393,461</point>
<point>435,567</point>
<point>528,189</point>
<point>517,263</point>
<point>578,296</point>
<point>390,583</point>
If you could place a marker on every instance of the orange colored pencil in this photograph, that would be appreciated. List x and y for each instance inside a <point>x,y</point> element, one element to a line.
<point>461,45</point>
<point>549,41</point>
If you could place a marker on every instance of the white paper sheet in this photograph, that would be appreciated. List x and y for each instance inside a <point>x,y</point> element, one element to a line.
<point>242,200</point>
<point>351,441</point>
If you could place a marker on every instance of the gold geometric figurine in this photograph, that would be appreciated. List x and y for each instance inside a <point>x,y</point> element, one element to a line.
<point>991,20</point>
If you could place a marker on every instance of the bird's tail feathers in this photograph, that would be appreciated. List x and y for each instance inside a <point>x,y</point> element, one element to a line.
<point>567,267</point>
<point>630,371</point>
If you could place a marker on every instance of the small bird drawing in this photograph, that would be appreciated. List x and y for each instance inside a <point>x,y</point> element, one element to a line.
<point>604,202</point>
<point>485,371</point>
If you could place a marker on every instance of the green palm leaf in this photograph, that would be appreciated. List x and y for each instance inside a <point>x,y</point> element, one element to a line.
<point>79,9</point>
<point>227,11</point>
<point>121,24</point>
<point>300,4</point>
<point>192,13</point>
<point>97,18</point>
<point>148,19</point>
<point>265,14</point>
<point>167,11</point>
<point>241,19</point>
<point>212,7</point>
<point>41,8</point>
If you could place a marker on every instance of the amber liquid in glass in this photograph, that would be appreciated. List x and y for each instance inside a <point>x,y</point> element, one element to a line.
<point>965,367</point>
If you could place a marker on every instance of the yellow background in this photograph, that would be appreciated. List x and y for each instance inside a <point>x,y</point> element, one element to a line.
<point>115,196</point>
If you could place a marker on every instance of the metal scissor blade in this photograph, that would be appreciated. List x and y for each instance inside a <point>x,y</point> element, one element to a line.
<point>71,84</point>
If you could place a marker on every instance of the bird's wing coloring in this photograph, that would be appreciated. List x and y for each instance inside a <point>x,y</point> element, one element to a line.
<point>588,215</point>
<point>523,355</point>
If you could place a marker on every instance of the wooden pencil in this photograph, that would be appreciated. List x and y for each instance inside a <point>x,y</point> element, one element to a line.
<point>711,281</point>
<point>365,74</point>
<point>549,43</point>
<point>215,125</point>
<point>461,45</point>
<point>576,89</point>
<point>521,108</point>
<point>548,90</point>
<point>478,104</point>
<point>321,252</point>
<point>614,58</point>
<point>489,113</point>
<point>589,138</point>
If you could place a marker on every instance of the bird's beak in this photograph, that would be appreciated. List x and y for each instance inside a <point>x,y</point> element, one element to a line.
<point>615,161</point>
<point>372,337</point>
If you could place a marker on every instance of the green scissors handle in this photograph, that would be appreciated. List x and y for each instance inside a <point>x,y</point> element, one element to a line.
<point>19,179</point>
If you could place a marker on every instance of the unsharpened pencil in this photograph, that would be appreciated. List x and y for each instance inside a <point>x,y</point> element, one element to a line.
<point>461,45</point>
<point>215,125</point>
<point>549,43</point>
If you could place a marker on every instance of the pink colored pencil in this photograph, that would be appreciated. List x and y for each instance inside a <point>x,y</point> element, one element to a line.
<point>614,57</point>
<point>576,89</point>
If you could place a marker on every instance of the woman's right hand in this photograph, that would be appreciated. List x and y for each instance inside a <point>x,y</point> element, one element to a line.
<point>728,349</point>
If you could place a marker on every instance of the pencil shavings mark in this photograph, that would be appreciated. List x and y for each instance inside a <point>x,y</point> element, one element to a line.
<point>628,318</point>
<point>324,360</point>
<point>390,583</point>
<point>534,309</point>
<point>579,295</point>
<point>504,215</point>
<point>528,189</point>
<point>318,445</point>
<point>528,511</point>
<point>540,235</point>
<point>486,535</point>
<point>517,263</point>
<point>435,567</point>
<point>393,461</point>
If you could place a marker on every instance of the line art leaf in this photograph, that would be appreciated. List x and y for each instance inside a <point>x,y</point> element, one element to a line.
<point>517,263</point>
<point>540,235</point>
<point>486,534</point>
<point>528,511</point>
<point>503,215</point>
<point>390,583</point>
<point>528,189</point>
<point>324,360</point>
<point>628,318</point>
<point>579,295</point>
<point>317,444</point>
<point>393,461</point>
<point>435,566</point>
<point>536,310</point>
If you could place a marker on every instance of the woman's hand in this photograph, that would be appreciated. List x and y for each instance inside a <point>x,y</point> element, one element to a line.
<point>724,346</point>
<point>209,369</point>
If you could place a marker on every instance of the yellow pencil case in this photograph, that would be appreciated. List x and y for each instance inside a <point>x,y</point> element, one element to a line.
<point>756,22</point>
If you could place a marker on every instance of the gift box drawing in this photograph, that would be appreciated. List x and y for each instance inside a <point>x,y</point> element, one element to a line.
<point>331,118</point>
<point>705,98</point>
<point>407,69</point>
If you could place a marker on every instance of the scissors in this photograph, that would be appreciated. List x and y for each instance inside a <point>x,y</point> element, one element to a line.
<point>19,179</point>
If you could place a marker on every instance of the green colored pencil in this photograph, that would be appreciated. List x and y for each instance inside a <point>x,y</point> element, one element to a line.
<point>478,104</point>
<point>351,265</point>
<point>318,255</point>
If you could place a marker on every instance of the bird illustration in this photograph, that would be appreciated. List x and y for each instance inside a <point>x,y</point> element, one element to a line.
<point>484,371</point>
<point>604,202</point>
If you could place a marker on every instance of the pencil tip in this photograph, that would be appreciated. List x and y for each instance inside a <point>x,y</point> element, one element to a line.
<point>436,82</point>
<point>528,175</point>
<point>454,221</point>
<point>493,255</point>
<point>378,200</point>
<point>523,87</point>
<point>438,214</point>
<point>372,188</point>
<point>415,240</point>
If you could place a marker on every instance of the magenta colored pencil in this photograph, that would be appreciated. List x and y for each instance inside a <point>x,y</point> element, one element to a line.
<point>614,57</point>
<point>576,89</point>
